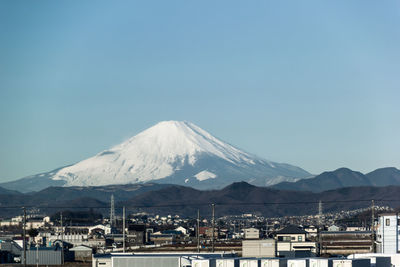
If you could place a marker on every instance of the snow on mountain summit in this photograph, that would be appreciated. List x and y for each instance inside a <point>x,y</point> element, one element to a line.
<point>172,139</point>
<point>150,155</point>
<point>176,150</point>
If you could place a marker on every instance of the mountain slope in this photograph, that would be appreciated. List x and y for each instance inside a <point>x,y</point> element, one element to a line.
<point>242,197</point>
<point>171,152</point>
<point>384,176</point>
<point>339,178</point>
<point>344,177</point>
<point>102,193</point>
<point>236,198</point>
<point>4,191</point>
<point>34,182</point>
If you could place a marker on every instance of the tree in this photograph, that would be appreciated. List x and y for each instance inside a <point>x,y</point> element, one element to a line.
<point>33,232</point>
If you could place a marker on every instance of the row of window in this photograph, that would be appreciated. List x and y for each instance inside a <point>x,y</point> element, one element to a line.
<point>290,238</point>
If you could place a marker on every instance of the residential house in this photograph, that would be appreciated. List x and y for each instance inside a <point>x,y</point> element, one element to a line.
<point>291,242</point>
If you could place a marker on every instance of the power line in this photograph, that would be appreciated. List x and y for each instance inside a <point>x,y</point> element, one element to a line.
<point>203,204</point>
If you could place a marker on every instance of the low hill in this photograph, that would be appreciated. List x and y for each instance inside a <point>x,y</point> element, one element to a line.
<point>234,199</point>
<point>343,177</point>
<point>242,197</point>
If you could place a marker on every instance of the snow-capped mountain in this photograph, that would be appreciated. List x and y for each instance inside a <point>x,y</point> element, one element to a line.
<point>175,152</point>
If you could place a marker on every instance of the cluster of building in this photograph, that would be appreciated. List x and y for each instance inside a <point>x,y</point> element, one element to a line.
<point>247,236</point>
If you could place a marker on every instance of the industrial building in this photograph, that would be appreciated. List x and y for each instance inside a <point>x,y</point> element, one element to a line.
<point>346,242</point>
<point>155,260</point>
<point>231,260</point>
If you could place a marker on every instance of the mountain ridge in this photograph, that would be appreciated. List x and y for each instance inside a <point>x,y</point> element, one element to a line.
<point>344,177</point>
<point>234,199</point>
<point>241,197</point>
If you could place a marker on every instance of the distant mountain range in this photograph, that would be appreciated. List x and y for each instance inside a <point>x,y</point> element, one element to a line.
<point>236,198</point>
<point>239,198</point>
<point>171,152</point>
<point>343,177</point>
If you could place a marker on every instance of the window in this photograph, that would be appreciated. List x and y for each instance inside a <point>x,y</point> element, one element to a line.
<point>300,238</point>
<point>387,222</point>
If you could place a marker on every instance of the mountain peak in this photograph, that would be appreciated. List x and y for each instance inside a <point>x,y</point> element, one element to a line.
<point>181,139</point>
<point>153,154</point>
<point>240,186</point>
<point>175,152</point>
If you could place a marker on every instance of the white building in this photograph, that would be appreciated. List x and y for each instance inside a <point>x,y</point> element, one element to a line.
<point>105,228</point>
<point>251,233</point>
<point>333,228</point>
<point>312,231</point>
<point>182,229</point>
<point>387,235</point>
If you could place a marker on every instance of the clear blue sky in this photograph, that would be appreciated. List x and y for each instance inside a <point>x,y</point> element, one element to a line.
<point>311,83</point>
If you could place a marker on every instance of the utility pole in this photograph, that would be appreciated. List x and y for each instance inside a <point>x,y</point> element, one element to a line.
<point>320,226</point>
<point>123,228</point>
<point>213,226</point>
<point>320,213</point>
<point>62,239</point>
<point>373,225</point>
<point>24,236</point>
<point>112,212</point>
<point>198,231</point>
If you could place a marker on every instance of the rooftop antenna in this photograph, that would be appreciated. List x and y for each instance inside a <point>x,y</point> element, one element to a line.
<point>112,212</point>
